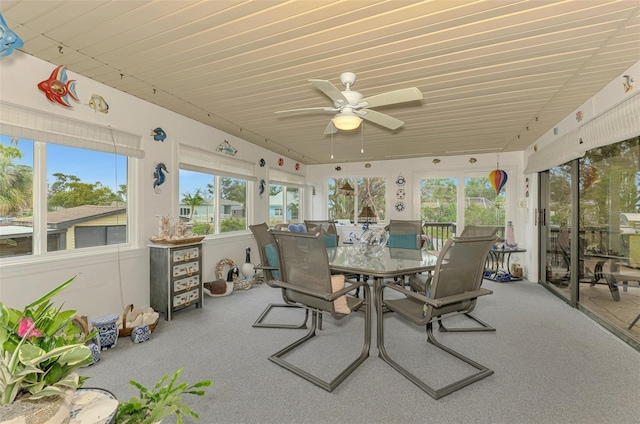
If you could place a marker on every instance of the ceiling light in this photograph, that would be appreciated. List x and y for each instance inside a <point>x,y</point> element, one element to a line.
<point>346,120</point>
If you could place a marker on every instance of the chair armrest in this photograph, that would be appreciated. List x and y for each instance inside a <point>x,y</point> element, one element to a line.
<point>263,267</point>
<point>440,302</point>
<point>464,296</point>
<point>320,295</point>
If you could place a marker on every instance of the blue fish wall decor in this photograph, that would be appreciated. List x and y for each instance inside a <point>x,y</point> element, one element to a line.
<point>9,39</point>
<point>262,187</point>
<point>227,148</point>
<point>158,134</point>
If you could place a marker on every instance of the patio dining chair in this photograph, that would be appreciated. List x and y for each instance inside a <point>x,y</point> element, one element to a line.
<point>306,279</point>
<point>405,234</point>
<point>480,231</point>
<point>269,264</point>
<point>329,227</point>
<point>454,290</point>
<point>421,282</point>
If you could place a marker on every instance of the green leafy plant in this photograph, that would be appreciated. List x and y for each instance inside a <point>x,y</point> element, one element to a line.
<point>164,399</point>
<point>39,348</point>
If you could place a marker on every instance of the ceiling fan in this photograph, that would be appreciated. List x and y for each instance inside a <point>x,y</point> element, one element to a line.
<point>352,107</point>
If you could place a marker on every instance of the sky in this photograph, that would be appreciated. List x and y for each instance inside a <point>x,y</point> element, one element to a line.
<point>90,166</point>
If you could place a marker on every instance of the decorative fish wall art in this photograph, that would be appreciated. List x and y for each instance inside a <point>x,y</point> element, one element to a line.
<point>627,83</point>
<point>158,134</point>
<point>59,88</point>
<point>9,40</point>
<point>98,104</point>
<point>227,148</point>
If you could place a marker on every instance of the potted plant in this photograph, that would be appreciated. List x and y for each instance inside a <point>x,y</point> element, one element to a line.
<point>164,399</point>
<point>40,350</point>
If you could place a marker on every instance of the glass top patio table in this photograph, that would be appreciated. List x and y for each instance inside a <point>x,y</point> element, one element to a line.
<point>388,263</point>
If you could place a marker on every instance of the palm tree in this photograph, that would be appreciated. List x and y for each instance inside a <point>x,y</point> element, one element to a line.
<point>193,200</point>
<point>16,183</point>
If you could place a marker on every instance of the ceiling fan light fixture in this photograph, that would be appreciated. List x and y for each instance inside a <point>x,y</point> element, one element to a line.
<point>346,121</point>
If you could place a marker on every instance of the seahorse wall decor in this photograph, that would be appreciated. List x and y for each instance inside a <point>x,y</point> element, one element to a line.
<point>159,176</point>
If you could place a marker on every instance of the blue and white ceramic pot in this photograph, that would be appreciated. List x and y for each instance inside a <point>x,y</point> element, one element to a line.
<point>141,333</point>
<point>95,353</point>
<point>107,330</point>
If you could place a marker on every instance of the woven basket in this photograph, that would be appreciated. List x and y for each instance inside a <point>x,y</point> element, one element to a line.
<point>82,324</point>
<point>126,331</point>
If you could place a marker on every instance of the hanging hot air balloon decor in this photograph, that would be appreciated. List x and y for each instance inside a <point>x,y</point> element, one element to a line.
<point>497,178</point>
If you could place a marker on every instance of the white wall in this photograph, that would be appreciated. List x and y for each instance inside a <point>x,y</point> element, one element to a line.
<point>109,281</point>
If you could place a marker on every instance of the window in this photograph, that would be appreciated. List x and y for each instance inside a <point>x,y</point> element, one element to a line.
<point>276,202</point>
<point>371,194</point>
<point>345,204</point>
<point>214,188</point>
<point>200,193</point>
<point>438,200</point>
<point>481,204</point>
<point>83,204</point>
<point>279,196</point>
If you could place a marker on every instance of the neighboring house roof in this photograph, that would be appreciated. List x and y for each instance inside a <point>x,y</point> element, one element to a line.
<point>65,218</point>
<point>276,199</point>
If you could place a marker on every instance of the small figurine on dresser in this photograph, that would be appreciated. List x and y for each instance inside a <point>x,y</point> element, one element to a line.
<point>163,228</point>
<point>179,229</point>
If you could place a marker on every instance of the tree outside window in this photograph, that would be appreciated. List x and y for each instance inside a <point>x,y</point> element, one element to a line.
<point>438,199</point>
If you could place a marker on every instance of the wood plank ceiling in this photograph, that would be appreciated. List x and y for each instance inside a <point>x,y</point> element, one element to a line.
<point>495,75</point>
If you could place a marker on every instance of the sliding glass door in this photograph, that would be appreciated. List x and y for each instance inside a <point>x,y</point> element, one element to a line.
<point>589,223</point>
<point>554,217</point>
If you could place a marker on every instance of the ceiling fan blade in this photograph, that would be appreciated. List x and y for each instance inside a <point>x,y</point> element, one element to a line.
<point>307,109</point>
<point>330,90</point>
<point>331,129</point>
<point>393,97</point>
<point>380,118</point>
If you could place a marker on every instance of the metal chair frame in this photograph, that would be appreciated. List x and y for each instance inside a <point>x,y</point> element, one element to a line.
<point>423,310</point>
<point>473,231</point>
<point>321,302</point>
<point>263,237</point>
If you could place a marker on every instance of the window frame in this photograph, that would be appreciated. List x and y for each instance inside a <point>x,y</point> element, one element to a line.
<point>40,239</point>
<point>217,176</point>
<point>354,181</point>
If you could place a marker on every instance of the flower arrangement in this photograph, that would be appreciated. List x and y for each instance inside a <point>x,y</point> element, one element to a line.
<point>39,349</point>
